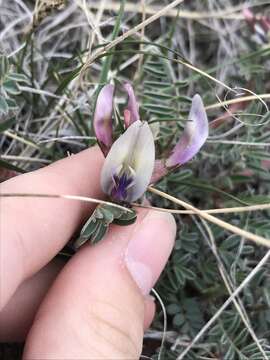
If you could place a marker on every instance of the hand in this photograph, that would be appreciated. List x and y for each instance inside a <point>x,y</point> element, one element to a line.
<point>95,306</point>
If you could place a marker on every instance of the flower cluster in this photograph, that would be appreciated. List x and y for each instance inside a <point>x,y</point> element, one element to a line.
<point>259,25</point>
<point>130,164</point>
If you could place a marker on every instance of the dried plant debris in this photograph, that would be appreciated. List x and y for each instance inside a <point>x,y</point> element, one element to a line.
<point>44,8</point>
<point>52,106</point>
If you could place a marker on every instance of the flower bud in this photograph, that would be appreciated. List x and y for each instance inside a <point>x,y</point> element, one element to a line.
<point>131,113</point>
<point>103,118</point>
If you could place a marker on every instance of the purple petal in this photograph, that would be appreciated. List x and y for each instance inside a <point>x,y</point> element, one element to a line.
<point>194,135</point>
<point>103,118</point>
<point>128,167</point>
<point>121,184</point>
<point>249,16</point>
<point>131,113</point>
<point>160,170</point>
<point>265,23</point>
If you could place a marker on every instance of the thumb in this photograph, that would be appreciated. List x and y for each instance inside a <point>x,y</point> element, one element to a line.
<point>98,305</point>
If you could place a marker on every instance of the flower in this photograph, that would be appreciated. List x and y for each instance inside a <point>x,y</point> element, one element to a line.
<point>103,118</point>
<point>194,135</point>
<point>131,113</point>
<point>103,115</point>
<point>130,164</point>
<point>259,25</point>
<point>192,139</point>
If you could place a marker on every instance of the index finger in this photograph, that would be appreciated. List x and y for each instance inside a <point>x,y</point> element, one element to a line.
<point>33,230</point>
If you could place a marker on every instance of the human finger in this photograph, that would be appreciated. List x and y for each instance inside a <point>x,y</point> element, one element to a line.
<point>18,314</point>
<point>96,307</point>
<point>33,230</point>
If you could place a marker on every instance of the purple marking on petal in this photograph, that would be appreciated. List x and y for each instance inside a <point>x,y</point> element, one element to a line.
<point>132,110</point>
<point>121,185</point>
<point>194,135</point>
<point>103,118</point>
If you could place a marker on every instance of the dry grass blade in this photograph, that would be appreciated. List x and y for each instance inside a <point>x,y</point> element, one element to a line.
<point>238,209</point>
<point>130,32</point>
<point>20,139</point>
<point>203,73</point>
<point>235,142</point>
<point>235,101</point>
<point>25,159</point>
<point>232,13</point>
<point>164,322</point>
<point>68,197</point>
<point>234,229</point>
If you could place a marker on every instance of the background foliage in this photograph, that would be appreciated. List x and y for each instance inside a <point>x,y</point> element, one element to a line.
<point>46,107</point>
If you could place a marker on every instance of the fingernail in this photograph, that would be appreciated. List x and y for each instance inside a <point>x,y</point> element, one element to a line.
<point>149,248</point>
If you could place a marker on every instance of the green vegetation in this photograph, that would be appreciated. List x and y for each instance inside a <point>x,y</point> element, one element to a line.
<point>50,72</point>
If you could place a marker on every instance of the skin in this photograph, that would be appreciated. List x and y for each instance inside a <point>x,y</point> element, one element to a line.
<point>95,306</point>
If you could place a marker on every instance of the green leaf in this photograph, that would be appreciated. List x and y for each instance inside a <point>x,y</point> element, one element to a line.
<point>184,99</point>
<point>157,95</point>
<point>12,105</point>
<point>107,215</point>
<point>189,275</point>
<point>178,320</point>
<point>3,106</point>
<point>127,218</point>
<point>11,87</point>
<point>18,77</point>
<point>98,214</point>
<point>89,227</point>
<point>116,211</point>
<point>259,155</point>
<point>158,109</point>
<point>158,84</point>
<point>4,66</point>
<point>6,124</point>
<point>180,276</point>
<point>97,225</point>
<point>173,309</point>
<point>99,233</point>
<point>108,60</point>
<point>155,71</point>
<point>203,185</point>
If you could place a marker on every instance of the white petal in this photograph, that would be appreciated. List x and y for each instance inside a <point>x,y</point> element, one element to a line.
<point>135,149</point>
<point>143,161</point>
